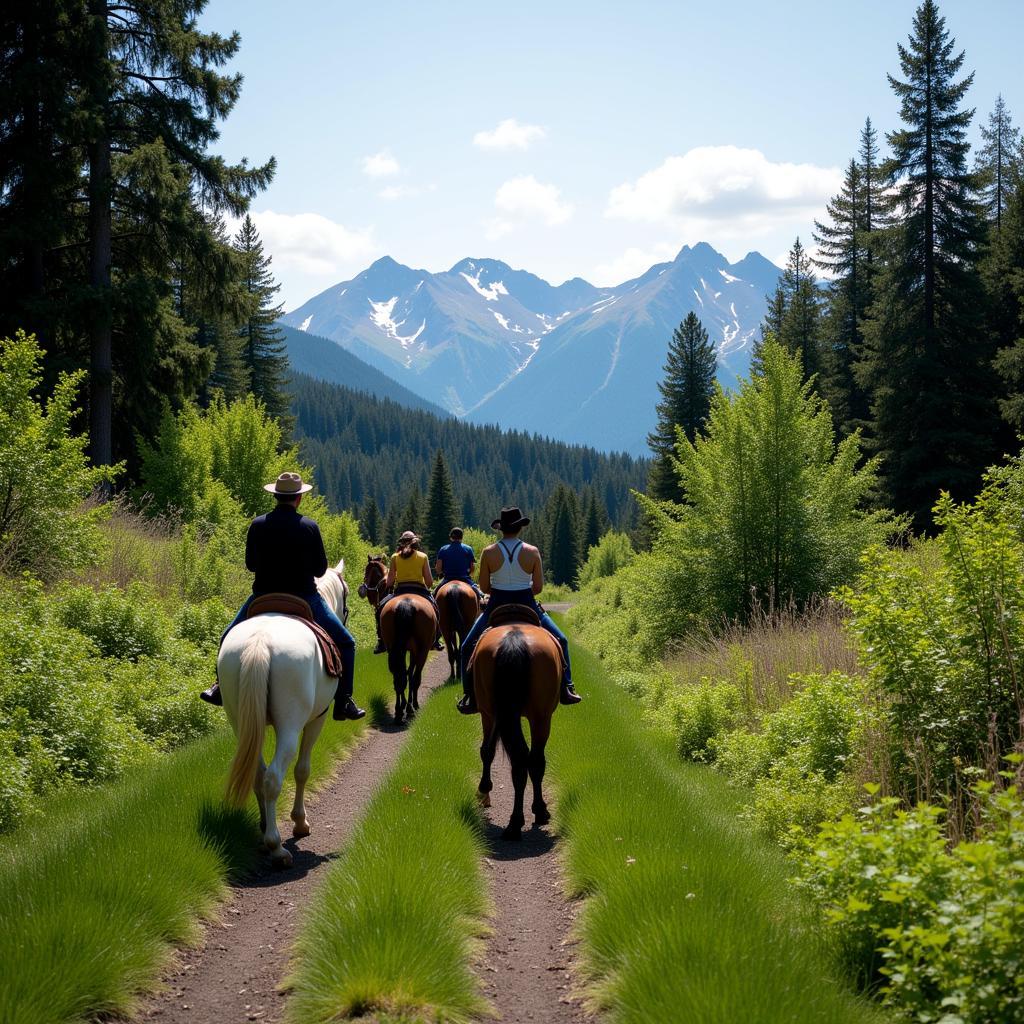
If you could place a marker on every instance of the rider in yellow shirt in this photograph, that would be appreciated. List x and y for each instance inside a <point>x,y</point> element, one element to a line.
<point>409,574</point>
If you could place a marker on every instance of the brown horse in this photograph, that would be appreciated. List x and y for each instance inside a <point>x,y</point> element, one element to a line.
<point>517,673</point>
<point>459,607</point>
<point>408,626</point>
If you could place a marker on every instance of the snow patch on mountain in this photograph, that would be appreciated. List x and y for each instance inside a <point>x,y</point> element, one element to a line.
<point>382,316</point>
<point>490,292</point>
<point>304,326</point>
<point>728,277</point>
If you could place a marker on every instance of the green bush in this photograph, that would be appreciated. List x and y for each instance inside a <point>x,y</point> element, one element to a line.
<point>937,929</point>
<point>611,553</point>
<point>202,625</point>
<point>44,473</point>
<point>698,715</point>
<point>123,624</point>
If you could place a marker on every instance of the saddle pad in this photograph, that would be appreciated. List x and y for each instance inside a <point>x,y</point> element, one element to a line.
<point>505,614</point>
<point>293,607</point>
<point>281,604</point>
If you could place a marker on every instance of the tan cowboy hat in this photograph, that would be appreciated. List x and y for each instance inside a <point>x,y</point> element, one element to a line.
<point>288,485</point>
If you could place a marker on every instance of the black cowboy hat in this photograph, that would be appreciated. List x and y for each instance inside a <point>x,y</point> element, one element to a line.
<point>510,519</point>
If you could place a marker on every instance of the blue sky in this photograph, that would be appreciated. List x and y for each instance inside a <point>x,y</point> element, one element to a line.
<point>566,138</point>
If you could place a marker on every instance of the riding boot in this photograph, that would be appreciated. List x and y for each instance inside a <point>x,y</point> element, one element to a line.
<point>568,694</point>
<point>467,705</point>
<point>345,709</point>
<point>212,696</point>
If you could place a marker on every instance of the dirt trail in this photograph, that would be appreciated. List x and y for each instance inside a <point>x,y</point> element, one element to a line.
<point>528,968</point>
<point>233,976</point>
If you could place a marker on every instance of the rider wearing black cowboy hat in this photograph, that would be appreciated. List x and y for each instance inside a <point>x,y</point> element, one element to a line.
<point>512,573</point>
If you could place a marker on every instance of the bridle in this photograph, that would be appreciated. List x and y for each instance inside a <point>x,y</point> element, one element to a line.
<point>373,593</point>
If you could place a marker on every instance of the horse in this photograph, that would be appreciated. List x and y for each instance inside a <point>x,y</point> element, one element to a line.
<point>271,672</point>
<point>459,607</point>
<point>517,673</point>
<point>407,627</point>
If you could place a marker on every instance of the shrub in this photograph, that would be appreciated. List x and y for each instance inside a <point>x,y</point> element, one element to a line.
<point>202,625</point>
<point>122,624</point>
<point>698,715</point>
<point>44,474</point>
<point>611,553</point>
<point>937,930</point>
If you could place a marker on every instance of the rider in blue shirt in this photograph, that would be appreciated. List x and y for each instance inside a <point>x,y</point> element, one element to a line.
<point>456,561</point>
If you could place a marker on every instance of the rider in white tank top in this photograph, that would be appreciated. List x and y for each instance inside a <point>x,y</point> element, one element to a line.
<point>511,575</point>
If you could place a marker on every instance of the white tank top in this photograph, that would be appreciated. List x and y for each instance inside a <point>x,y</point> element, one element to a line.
<point>511,575</point>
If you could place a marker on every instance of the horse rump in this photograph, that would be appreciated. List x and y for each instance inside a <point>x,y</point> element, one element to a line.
<point>511,688</point>
<point>453,595</point>
<point>403,625</point>
<point>253,685</point>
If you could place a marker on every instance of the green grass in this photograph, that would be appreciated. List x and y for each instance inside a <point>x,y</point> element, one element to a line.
<point>688,915</point>
<point>393,929</point>
<point>95,893</point>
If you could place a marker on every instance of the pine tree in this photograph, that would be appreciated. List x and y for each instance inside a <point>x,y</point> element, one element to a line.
<point>370,522</point>
<point>686,391</point>
<point>775,314</point>
<point>469,516</point>
<point>993,162</point>
<point>390,531</point>
<point>148,90</point>
<point>593,523</point>
<point>1004,279</point>
<point>842,251</point>
<point>562,558</point>
<point>412,514</point>
<point>263,346</point>
<point>800,330</point>
<point>442,511</point>
<point>930,362</point>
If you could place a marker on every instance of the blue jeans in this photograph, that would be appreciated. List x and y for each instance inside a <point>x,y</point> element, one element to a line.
<point>331,624</point>
<point>525,597</point>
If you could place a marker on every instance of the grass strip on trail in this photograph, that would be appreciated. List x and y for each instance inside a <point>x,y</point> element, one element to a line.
<point>94,893</point>
<point>688,915</point>
<point>393,928</point>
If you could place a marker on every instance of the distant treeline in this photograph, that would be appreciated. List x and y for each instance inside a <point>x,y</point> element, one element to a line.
<point>365,447</point>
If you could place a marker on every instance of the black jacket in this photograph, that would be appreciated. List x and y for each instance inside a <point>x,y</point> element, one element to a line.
<point>286,552</point>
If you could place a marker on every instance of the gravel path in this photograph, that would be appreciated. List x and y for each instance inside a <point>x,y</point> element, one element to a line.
<point>528,968</point>
<point>234,975</point>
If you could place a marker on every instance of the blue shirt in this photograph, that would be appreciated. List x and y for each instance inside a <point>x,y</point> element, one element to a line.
<point>456,560</point>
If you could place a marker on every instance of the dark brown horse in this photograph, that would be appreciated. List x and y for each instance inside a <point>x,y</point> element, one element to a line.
<point>459,606</point>
<point>408,626</point>
<point>517,673</point>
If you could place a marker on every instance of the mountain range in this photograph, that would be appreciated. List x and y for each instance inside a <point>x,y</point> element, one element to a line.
<point>495,345</point>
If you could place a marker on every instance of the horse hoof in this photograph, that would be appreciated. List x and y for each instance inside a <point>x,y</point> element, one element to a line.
<point>542,817</point>
<point>281,860</point>
<point>301,831</point>
<point>512,835</point>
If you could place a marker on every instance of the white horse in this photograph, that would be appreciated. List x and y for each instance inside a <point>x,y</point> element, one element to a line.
<point>271,672</point>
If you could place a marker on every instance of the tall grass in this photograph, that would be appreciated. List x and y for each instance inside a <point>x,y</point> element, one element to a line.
<point>94,894</point>
<point>687,915</point>
<point>393,928</point>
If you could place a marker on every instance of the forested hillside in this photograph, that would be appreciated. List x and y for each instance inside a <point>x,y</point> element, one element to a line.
<point>365,447</point>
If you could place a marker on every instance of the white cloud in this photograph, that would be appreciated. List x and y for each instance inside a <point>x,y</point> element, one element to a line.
<point>380,165</point>
<point>393,192</point>
<point>313,244</point>
<point>632,263</point>
<point>509,134</point>
<point>726,192</point>
<point>527,199</point>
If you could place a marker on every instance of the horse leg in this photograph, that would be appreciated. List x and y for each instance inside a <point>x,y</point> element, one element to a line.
<point>309,737</point>
<point>487,750</point>
<point>415,678</point>
<point>273,778</point>
<point>398,679</point>
<point>539,733</point>
<point>519,754</point>
<point>258,789</point>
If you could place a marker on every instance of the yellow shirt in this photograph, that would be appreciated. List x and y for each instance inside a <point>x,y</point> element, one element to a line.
<point>409,570</point>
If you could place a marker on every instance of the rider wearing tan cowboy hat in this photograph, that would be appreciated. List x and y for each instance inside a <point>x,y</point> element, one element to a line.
<point>286,553</point>
<point>512,573</point>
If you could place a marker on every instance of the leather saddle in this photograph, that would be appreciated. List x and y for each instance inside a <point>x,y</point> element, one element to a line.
<point>298,608</point>
<point>513,614</point>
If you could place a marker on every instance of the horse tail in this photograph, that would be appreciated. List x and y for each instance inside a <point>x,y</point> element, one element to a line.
<point>404,624</point>
<point>453,595</point>
<point>511,688</point>
<point>253,684</point>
